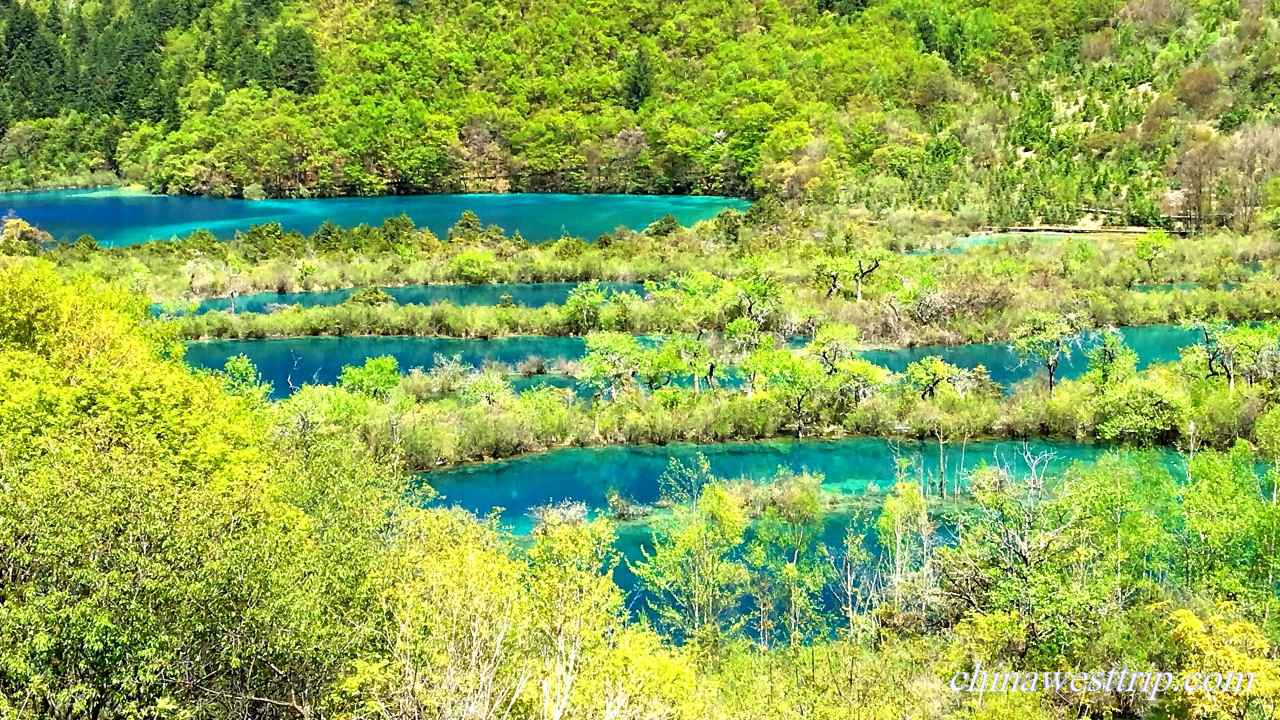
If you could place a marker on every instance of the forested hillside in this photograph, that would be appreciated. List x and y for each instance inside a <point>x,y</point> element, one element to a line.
<point>1004,111</point>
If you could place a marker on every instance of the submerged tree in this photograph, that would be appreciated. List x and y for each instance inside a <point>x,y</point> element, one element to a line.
<point>906,534</point>
<point>790,564</point>
<point>693,573</point>
<point>929,374</point>
<point>612,362</point>
<point>1045,338</point>
<point>794,380</point>
<point>834,344</point>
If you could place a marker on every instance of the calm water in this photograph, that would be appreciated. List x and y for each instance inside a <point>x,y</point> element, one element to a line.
<point>964,243</point>
<point>850,467</point>
<point>117,217</point>
<point>524,294</point>
<point>1153,344</point>
<point>318,361</point>
<point>1181,286</point>
<point>295,361</point>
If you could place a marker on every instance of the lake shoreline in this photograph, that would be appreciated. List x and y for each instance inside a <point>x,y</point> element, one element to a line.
<point>141,190</point>
<point>826,438</point>
<point>122,219</point>
<point>869,347</point>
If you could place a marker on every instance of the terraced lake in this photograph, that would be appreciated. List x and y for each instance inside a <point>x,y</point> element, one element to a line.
<point>293,362</point>
<point>524,294</point>
<point>851,467</point>
<point>1153,344</point>
<point>122,217</point>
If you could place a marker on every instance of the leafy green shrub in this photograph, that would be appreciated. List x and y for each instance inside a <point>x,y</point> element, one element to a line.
<point>1140,412</point>
<point>376,378</point>
<point>663,226</point>
<point>371,297</point>
<point>473,265</point>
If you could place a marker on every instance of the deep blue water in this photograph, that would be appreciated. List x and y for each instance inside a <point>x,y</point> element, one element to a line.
<point>119,217</point>
<point>297,361</point>
<point>293,362</point>
<point>532,295</point>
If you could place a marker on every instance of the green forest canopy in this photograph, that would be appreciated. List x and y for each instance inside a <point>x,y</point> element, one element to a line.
<point>1013,110</point>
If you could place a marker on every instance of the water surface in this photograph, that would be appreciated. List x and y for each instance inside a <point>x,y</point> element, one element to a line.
<point>533,295</point>
<point>850,467</point>
<point>961,244</point>
<point>855,471</point>
<point>1153,344</point>
<point>119,217</point>
<point>291,362</point>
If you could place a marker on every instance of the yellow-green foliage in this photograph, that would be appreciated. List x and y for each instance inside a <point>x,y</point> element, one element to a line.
<point>170,544</point>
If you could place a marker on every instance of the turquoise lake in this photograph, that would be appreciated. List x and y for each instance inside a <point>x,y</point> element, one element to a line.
<point>1182,286</point>
<point>532,295</point>
<point>293,362</point>
<point>119,217</point>
<point>1153,344</point>
<point>851,467</point>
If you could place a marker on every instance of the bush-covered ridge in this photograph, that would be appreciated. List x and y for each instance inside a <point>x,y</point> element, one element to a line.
<point>903,281</point>
<point>1016,111</point>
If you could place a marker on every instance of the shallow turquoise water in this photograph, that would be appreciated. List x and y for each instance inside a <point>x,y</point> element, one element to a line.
<point>118,218</point>
<point>964,243</point>
<point>1181,286</point>
<point>524,294</point>
<point>1153,344</point>
<point>292,362</point>
<point>850,466</point>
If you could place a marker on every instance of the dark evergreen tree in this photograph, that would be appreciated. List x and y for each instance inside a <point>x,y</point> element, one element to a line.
<point>34,66</point>
<point>844,8</point>
<point>105,16</point>
<point>639,79</point>
<point>138,71</point>
<point>6,110</point>
<point>5,34</point>
<point>77,46</point>
<point>293,60</point>
<point>235,56</point>
<point>23,23</point>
